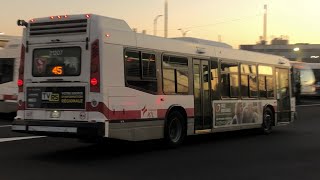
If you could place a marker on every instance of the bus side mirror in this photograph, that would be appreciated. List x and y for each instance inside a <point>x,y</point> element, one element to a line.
<point>22,23</point>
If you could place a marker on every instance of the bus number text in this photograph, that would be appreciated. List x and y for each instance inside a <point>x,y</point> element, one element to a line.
<point>56,53</point>
<point>57,70</point>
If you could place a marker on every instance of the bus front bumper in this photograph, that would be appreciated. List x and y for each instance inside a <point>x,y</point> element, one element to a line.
<point>60,128</point>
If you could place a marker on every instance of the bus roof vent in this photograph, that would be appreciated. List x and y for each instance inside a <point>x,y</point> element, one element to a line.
<point>59,27</point>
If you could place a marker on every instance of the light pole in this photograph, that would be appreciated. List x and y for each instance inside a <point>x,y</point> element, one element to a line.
<point>297,51</point>
<point>155,24</point>
<point>166,19</point>
<point>184,33</point>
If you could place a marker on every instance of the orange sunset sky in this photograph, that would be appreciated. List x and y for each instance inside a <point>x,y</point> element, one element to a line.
<point>236,21</point>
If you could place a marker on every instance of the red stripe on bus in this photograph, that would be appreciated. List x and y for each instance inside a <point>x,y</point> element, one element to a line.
<point>22,107</point>
<point>124,114</point>
<point>129,114</point>
<point>162,112</point>
<point>10,97</point>
<point>190,112</point>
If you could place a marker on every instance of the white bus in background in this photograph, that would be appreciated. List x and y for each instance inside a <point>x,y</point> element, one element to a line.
<point>10,49</point>
<point>303,73</point>
<point>316,70</point>
<point>91,76</point>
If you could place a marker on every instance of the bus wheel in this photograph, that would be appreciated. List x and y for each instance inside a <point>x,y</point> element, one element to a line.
<point>175,130</point>
<point>268,118</point>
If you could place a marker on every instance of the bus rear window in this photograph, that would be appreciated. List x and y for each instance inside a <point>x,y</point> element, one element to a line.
<point>52,62</point>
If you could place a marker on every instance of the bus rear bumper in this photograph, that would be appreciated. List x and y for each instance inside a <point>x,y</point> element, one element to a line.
<point>60,128</point>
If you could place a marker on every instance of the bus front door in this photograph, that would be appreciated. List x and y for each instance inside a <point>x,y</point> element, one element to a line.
<point>283,95</point>
<point>202,101</point>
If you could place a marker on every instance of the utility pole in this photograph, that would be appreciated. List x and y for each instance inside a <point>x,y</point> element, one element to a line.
<point>265,24</point>
<point>166,19</point>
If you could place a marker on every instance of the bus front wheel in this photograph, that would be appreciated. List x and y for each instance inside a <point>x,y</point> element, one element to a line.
<point>175,129</point>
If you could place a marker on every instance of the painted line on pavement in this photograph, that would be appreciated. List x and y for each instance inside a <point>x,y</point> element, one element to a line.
<point>5,126</point>
<point>19,138</point>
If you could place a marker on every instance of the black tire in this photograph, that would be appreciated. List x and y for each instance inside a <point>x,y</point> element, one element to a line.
<point>175,129</point>
<point>267,121</point>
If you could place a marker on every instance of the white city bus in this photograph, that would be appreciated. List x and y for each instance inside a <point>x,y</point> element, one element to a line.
<point>10,47</point>
<point>303,73</point>
<point>92,76</point>
<point>316,71</point>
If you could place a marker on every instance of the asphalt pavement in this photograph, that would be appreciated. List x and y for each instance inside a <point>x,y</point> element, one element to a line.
<point>290,152</point>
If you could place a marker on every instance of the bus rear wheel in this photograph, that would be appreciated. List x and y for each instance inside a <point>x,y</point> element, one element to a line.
<point>267,121</point>
<point>175,129</point>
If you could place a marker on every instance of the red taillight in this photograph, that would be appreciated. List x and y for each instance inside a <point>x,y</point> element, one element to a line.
<point>20,82</point>
<point>87,16</point>
<point>21,68</point>
<point>93,82</point>
<point>95,67</point>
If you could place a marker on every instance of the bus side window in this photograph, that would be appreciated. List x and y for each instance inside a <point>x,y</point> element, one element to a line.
<point>140,69</point>
<point>229,79</point>
<point>149,65</point>
<point>266,81</point>
<point>215,95</point>
<point>175,75</point>
<point>262,86</point>
<point>132,64</point>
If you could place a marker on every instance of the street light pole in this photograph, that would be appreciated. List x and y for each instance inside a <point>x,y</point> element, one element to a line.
<point>297,52</point>
<point>184,33</point>
<point>155,24</point>
<point>166,19</point>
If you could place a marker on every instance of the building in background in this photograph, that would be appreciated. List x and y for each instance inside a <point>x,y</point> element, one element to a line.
<point>303,52</point>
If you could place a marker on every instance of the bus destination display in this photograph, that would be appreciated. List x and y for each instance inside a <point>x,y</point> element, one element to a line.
<point>56,97</point>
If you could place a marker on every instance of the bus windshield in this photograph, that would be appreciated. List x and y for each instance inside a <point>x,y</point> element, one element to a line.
<point>52,62</point>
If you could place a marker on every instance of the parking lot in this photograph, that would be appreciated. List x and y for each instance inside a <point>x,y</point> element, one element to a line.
<point>291,152</point>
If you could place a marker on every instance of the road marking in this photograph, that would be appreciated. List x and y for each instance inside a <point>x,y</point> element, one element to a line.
<point>5,126</point>
<point>19,138</point>
<point>307,105</point>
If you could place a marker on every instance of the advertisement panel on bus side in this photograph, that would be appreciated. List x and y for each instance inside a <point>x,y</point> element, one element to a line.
<point>233,113</point>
